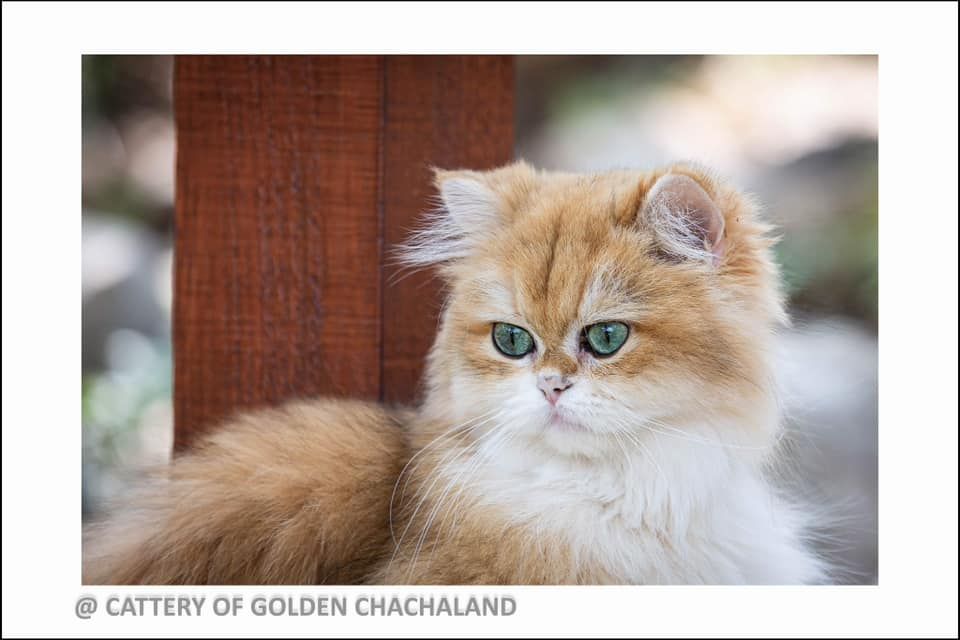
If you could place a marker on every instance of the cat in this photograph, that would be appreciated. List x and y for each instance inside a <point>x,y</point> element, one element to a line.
<point>598,409</point>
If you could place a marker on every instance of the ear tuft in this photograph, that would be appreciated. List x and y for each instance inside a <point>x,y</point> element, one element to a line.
<point>467,211</point>
<point>687,222</point>
<point>469,202</point>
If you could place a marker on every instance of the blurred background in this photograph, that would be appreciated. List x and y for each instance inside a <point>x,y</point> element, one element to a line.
<point>799,132</point>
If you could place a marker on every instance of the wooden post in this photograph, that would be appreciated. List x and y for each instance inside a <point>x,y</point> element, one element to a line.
<point>295,175</point>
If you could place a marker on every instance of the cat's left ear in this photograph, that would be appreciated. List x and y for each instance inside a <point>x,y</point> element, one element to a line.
<point>687,222</point>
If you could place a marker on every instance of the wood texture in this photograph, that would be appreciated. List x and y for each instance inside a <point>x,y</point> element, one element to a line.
<point>294,175</point>
<point>441,111</point>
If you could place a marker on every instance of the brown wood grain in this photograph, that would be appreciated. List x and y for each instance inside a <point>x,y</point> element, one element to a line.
<point>441,111</point>
<point>294,174</point>
<point>277,291</point>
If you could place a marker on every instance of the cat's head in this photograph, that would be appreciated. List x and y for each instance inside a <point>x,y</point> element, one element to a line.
<point>580,306</point>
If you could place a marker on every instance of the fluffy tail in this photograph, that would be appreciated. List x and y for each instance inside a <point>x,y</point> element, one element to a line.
<point>295,495</point>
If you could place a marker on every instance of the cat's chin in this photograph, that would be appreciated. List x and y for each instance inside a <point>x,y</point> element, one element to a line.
<point>558,421</point>
<point>565,434</point>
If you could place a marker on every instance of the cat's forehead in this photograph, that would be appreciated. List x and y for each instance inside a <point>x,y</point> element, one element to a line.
<point>612,196</point>
<point>556,216</point>
<point>558,251</point>
<point>563,266</point>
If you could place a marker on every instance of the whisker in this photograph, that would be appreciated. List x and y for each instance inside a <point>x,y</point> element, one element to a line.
<point>439,503</point>
<point>683,435</point>
<point>646,450</point>
<point>436,474</point>
<point>475,467</point>
<point>448,433</point>
<point>626,456</point>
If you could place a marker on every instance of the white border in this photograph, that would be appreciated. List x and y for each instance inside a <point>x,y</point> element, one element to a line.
<point>917,43</point>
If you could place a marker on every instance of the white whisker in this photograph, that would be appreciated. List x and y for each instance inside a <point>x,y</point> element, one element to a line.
<point>448,433</point>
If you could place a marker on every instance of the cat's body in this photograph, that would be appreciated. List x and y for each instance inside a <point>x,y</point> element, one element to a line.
<point>598,409</point>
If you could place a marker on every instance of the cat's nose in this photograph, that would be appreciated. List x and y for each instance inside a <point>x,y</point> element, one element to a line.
<point>552,385</point>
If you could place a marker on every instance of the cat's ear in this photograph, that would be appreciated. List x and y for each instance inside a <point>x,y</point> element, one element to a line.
<point>687,222</point>
<point>468,199</point>
<point>468,211</point>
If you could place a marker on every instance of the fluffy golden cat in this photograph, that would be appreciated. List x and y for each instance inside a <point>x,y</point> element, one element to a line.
<point>598,409</point>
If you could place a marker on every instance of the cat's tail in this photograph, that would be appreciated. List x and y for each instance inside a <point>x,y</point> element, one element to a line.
<point>294,495</point>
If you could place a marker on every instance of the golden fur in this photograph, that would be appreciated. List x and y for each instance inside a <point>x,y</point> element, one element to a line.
<point>293,495</point>
<point>314,492</point>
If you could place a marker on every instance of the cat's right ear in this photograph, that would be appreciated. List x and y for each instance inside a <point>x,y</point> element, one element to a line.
<point>468,211</point>
<point>468,200</point>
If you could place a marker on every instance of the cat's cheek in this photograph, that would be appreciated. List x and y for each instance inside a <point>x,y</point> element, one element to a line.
<point>525,396</point>
<point>511,398</point>
<point>608,402</point>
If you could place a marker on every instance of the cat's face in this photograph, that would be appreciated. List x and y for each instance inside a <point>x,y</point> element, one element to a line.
<point>581,311</point>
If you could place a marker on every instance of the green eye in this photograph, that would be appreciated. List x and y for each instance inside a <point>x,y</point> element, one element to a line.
<point>605,338</point>
<point>511,340</point>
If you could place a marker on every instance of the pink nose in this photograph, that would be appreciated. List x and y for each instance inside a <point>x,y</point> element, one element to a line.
<point>552,385</point>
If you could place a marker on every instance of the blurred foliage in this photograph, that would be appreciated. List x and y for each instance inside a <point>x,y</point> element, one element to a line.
<point>830,268</point>
<point>834,270</point>
<point>115,86</point>
<point>126,394</point>
<point>116,410</point>
<point>122,198</point>
<point>557,88</point>
<point>604,79</point>
<point>119,92</point>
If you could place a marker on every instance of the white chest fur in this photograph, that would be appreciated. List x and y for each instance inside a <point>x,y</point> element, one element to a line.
<point>678,513</point>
